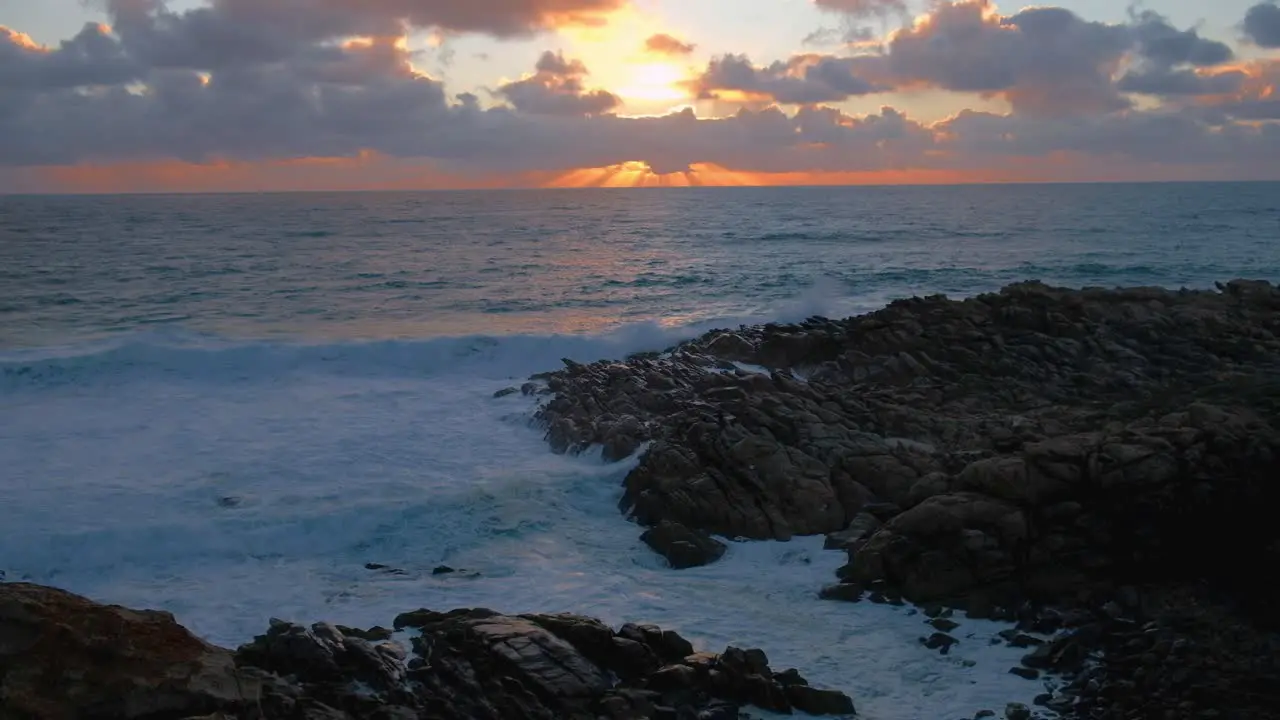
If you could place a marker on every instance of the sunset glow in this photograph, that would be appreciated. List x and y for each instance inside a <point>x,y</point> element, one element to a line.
<point>655,81</point>
<point>624,93</point>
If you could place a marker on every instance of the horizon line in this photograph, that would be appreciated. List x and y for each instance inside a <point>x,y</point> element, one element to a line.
<point>537,188</point>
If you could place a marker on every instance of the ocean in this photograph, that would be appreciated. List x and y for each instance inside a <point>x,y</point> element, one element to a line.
<point>227,406</point>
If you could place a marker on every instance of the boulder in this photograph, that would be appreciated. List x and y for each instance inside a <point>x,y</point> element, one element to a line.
<point>862,526</point>
<point>65,656</point>
<point>683,548</point>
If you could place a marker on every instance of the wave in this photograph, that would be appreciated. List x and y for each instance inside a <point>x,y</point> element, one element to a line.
<point>175,353</point>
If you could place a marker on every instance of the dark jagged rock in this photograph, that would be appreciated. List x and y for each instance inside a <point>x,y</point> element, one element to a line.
<point>997,439</point>
<point>863,526</point>
<point>682,547</point>
<point>1187,652</point>
<point>1036,447</point>
<point>64,656</point>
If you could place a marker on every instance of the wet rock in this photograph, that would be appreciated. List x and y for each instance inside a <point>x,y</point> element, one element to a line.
<point>505,392</point>
<point>731,346</point>
<point>1017,711</point>
<point>64,656</point>
<point>847,592</point>
<point>1033,447</point>
<point>1024,672</point>
<point>1021,640</point>
<point>939,641</point>
<point>862,526</point>
<point>1026,422</point>
<point>943,624</point>
<point>682,547</point>
<point>374,634</point>
<point>819,702</point>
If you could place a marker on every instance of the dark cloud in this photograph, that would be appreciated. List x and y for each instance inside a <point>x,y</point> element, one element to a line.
<point>850,34</point>
<point>1171,62</point>
<point>1165,45</point>
<point>665,44</point>
<point>556,89</point>
<point>259,26</point>
<point>234,81</point>
<point>864,8</point>
<point>1044,61</point>
<point>1143,137</point>
<point>1256,99</point>
<point>802,80</point>
<point>90,58</point>
<point>1262,25</point>
<point>1166,82</point>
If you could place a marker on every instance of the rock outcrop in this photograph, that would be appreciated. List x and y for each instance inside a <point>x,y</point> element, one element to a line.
<point>1037,439</point>
<point>63,656</point>
<point>1036,447</point>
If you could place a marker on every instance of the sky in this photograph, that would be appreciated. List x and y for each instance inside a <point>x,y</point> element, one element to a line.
<point>255,95</point>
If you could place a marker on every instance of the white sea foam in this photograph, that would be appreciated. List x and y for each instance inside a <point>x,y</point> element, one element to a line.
<point>230,484</point>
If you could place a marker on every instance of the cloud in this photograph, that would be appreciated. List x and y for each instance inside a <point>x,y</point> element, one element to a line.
<point>802,80</point>
<point>1165,45</point>
<point>231,85</point>
<point>1255,99</point>
<point>664,44</point>
<point>1262,25</point>
<point>1159,137</point>
<point>1170,62</point>
<point>556,89</point>
<point>1167,82</point>
<point>92,57</point>
<point>1045,61</point>
<point>267,27</point>
<point>864,8</point>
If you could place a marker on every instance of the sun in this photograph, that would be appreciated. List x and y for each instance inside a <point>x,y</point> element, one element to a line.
<point>654,81</point>
<point>619,62</point>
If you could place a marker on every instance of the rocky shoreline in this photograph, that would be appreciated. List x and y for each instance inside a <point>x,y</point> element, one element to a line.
<point>1103,464</point>
<point>64,657</point>
<point>1097,468</point>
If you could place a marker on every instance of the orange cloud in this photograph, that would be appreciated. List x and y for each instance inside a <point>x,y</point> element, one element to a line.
<point>375,172</point>
<point>664,44</point>
<point>368,171</point>
<point>21,39</point>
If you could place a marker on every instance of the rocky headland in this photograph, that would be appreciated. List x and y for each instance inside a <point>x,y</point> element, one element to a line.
<point>1099,468</point>
<point>1103,464</point>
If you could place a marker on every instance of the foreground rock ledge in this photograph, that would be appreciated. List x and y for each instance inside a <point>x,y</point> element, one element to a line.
<point>63,656</point>
<point>1035,443</point>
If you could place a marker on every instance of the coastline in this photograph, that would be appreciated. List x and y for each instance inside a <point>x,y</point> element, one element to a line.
<point>1082,462</point>
<point>948,472</point>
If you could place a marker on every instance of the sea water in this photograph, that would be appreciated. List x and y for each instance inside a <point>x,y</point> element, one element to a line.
<point>230,407</point>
